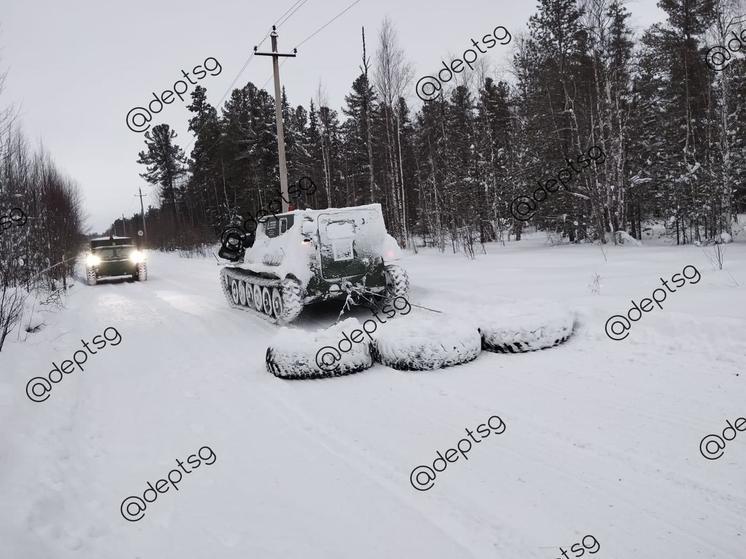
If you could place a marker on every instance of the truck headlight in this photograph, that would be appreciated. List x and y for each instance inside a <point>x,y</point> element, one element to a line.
<point>92,260</point>
<point>136,256</point>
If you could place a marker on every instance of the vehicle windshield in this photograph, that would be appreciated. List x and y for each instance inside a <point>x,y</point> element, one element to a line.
<point>114,252</point>
<point>340,229</point>
<point>113,242</point>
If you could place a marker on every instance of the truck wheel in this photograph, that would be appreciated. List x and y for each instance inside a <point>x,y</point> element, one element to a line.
<point>91,275</point>
<point>142,272</point>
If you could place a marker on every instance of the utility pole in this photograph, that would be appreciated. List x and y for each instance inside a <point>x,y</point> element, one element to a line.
<point>142,212</point>
<point>278,115</point>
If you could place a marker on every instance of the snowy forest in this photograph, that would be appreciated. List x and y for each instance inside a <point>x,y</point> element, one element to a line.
<point>672,129</point>
<point>41,225</point>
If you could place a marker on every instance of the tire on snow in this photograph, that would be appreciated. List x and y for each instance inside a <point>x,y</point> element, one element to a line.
<point>91,276</point>
<point>422,343</point>
<point>515,329</point>
<point>297,354</point>
<point>291,300</point>
<point>397,284</point>
<point>142,272</point>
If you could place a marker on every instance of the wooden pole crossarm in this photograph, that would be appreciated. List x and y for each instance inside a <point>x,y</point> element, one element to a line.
<point>273,54</point>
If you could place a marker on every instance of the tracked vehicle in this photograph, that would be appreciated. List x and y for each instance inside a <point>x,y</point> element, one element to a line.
<point>304,256</point>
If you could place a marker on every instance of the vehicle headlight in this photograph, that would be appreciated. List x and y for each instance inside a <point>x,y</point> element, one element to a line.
<point>136,256</point>
<point>92,260</point>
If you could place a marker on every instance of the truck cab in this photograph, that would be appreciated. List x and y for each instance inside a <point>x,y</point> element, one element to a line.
<point>115,256</point>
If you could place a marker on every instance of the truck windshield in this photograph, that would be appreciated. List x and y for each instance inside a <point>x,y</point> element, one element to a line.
<point>114,252</point>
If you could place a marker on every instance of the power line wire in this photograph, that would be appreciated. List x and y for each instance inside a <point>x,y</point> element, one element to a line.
<point>327,23</point>
<point>248,60</point>
<point>259,45</point>
<point>294,9</point>
<point>312,35</point>
<point>291,15</point>
<point>290,8</point>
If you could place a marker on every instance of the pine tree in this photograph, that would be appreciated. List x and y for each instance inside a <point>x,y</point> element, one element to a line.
<point>205,163</point>
<point>685,108</point>
<point>165,163</point>
<point>495,140</point>
<point>555,105</point>
<point>358,136</point>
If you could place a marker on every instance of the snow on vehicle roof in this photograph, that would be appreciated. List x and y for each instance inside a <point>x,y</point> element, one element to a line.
<point>110,238</point>
<point>316,213</point>
<point>352,208</point>
<point>286,254</point>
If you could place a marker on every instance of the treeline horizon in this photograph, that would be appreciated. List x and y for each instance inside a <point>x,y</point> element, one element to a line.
<point>37,257</point>
<point>673,132</point>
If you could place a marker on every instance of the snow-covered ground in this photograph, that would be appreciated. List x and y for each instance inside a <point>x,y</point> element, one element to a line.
<point>602,437</point>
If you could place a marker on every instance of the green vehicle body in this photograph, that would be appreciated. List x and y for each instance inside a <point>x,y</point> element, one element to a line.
<point>114,256</point>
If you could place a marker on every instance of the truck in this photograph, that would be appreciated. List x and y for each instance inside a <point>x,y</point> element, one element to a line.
<point>115,256</point>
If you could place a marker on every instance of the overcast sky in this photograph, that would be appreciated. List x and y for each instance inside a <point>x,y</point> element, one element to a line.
<point>76,68</point>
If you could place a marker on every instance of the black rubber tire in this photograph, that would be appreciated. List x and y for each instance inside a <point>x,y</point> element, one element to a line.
<point>422,344</point>
<point>91,277</point>
<point>275,364</point>
<point>518,331</point>
<point>292,300</point>
<point>397,284</point>
<point>292,354</point>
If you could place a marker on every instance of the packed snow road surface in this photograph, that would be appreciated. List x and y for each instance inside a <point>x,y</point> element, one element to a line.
<point>601,438</point>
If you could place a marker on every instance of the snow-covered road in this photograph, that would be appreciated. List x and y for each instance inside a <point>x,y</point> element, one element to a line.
<point>602,436</point>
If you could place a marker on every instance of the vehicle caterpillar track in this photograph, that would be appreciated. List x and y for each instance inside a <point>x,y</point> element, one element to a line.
<point>278,301</point>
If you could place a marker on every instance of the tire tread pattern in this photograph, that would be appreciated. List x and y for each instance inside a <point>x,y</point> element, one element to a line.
<point>516,347</point>
<point>399,286</point>
<point>463,351</point>
<point>302,371</point>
